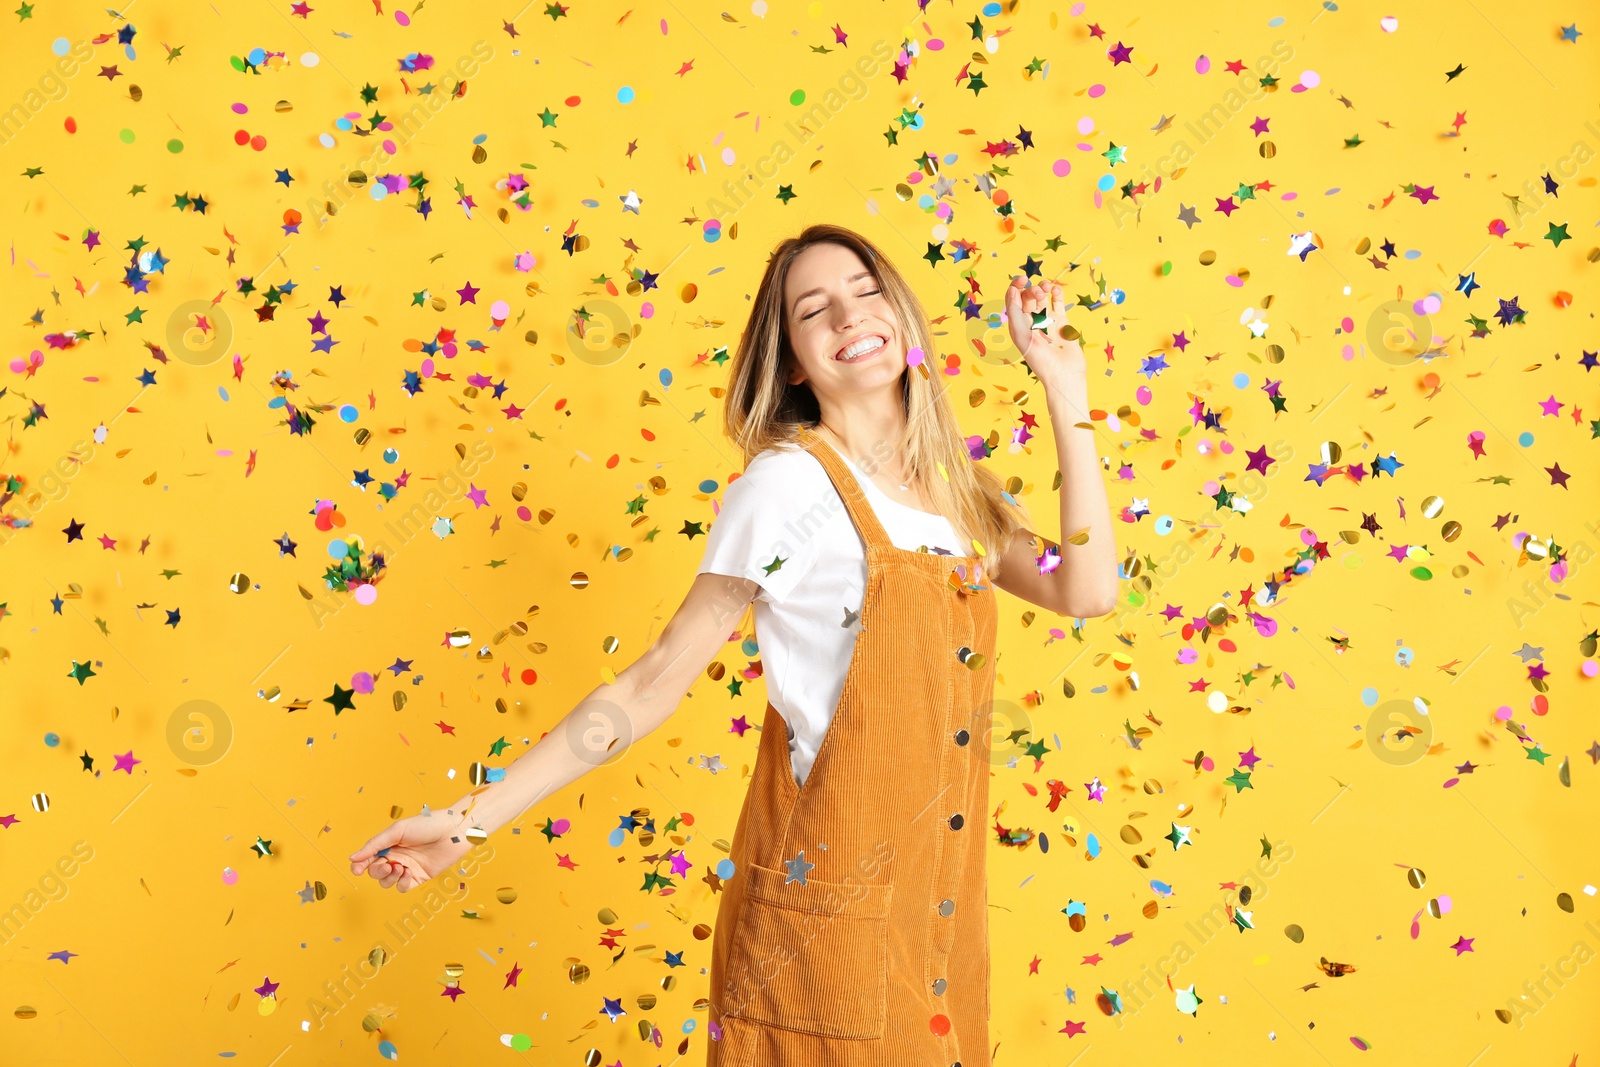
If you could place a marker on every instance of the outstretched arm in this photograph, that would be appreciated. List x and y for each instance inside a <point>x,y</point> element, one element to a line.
<point>411,851</point>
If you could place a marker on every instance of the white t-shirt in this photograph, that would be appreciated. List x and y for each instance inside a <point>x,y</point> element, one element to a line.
<point>785,507</point>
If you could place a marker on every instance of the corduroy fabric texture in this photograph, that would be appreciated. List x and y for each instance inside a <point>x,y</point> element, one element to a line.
<point>881,954</point>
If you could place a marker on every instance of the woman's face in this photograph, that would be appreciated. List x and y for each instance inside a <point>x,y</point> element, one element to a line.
<point>832,305</point>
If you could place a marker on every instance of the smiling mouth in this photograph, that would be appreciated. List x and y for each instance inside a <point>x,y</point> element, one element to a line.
<point>883,343</point>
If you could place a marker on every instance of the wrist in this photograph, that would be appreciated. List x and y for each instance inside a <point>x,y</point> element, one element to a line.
<point>472,810</point>
<point>1068,400</point>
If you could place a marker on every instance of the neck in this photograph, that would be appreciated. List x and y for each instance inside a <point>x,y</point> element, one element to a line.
<point>868,436</point>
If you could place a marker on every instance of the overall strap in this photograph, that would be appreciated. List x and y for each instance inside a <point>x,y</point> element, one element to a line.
<point>844,481</point>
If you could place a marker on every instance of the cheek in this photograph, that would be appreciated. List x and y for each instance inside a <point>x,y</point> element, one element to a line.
<point>809,348</point>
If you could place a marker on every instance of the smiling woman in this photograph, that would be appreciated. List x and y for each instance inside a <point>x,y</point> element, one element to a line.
<point>867,536</point>
<point>812,962</point>
<point>805,360</point>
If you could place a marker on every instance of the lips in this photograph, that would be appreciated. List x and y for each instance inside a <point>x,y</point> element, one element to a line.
<point>858,340</point>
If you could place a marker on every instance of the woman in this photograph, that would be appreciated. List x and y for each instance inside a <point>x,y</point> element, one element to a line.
<point>854,928</point>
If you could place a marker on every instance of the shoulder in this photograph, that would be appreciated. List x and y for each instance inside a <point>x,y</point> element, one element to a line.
<point>781,486</point>
<point>779,470</point>
<point>765,527</point>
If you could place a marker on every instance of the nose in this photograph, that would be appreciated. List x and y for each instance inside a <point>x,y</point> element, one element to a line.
<point>842,335</point>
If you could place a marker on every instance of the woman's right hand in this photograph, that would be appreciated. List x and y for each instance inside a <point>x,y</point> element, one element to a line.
<point>415,850</point>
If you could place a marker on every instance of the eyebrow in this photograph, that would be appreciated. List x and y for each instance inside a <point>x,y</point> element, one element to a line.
<point>848,281</point>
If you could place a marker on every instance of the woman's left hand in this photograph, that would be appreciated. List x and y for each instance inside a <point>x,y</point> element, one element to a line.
<point>1053,358</point>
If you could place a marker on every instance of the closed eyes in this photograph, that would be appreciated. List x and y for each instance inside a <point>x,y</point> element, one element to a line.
<point>808,314</point>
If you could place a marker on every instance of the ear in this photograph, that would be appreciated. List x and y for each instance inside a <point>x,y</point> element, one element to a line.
<point>794,374</point>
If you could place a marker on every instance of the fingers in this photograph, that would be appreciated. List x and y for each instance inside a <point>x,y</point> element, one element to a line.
<point>390,874</point>
<point>1022,298</point>
<point>389,835</point>
<point>1058,304</point>
<point>375,868</point>
<point>1033,298</point>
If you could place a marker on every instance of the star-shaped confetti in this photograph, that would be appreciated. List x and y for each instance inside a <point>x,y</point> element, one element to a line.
<point>797,868</point>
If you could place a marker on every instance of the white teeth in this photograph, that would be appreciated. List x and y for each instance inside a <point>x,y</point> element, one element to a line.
<point>861,348</point>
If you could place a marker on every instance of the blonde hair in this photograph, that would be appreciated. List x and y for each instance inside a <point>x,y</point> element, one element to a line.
<point>763,410</point>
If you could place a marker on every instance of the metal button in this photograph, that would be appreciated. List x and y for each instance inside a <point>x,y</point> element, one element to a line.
<point>962,653</point>
<point>962,737</point>
<point>947,907</point>
<point>956,821</point>
<point>938,987</point>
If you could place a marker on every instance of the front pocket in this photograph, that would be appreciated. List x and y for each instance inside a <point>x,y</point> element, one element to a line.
<point>811,958</point>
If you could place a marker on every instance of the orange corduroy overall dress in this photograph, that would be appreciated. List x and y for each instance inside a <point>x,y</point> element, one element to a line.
<point>854,929</point>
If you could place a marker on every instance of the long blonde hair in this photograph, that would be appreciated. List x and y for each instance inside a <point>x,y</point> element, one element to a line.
<point>763,410</point>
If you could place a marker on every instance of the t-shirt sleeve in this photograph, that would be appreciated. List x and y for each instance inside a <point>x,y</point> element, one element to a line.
<point>752,536</point>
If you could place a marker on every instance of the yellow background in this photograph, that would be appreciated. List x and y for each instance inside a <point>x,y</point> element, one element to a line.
<point>126,869</point>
